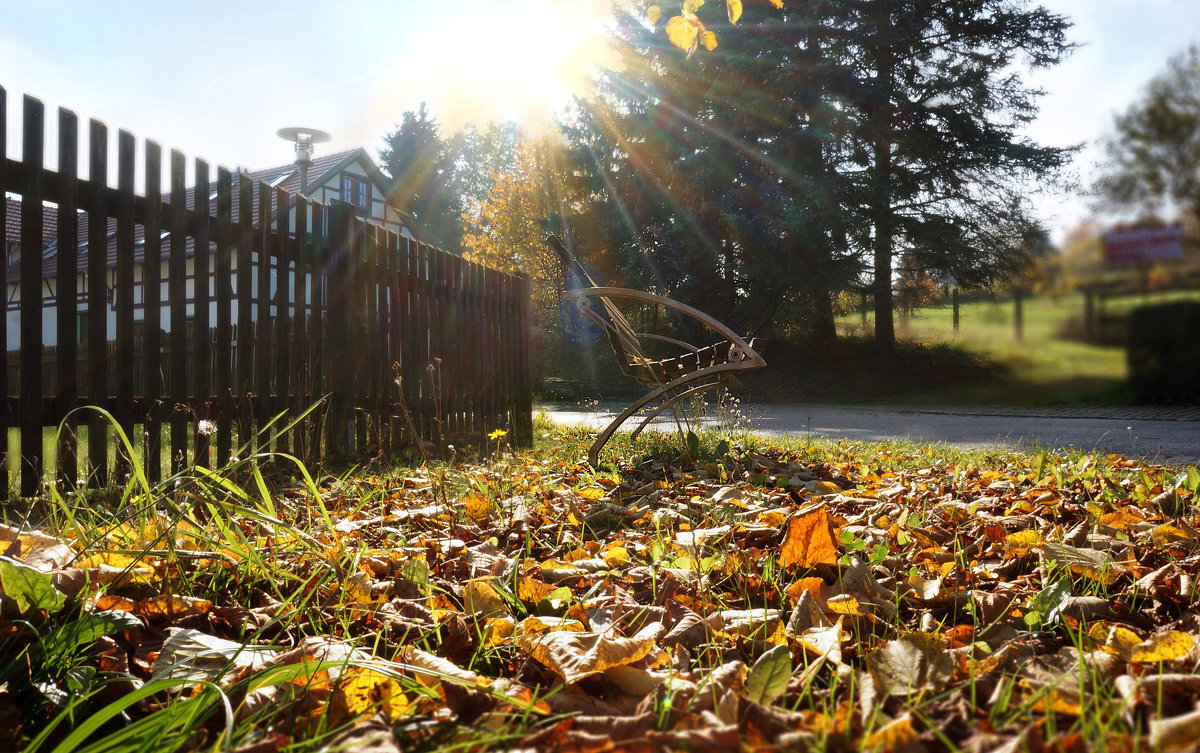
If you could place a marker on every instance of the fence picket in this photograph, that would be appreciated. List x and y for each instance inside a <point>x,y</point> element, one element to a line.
<point>298,366</point>
<point>97,290</point>
<point>177,296</point>
<point>224,345</point>
<point>66,293</point>
<point>32,194</point>
<point>245,330</point>
<point>318,358</point>
<point>202,394</point>
<point>123,409</point>
<point>5,417</point>
<point>152,382</point>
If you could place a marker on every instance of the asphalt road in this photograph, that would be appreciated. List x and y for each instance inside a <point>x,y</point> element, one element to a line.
<point>1165,435</point>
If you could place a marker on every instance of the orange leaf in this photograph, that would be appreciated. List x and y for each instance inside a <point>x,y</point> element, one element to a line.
<point>810,540</point>
<point>815,586</point>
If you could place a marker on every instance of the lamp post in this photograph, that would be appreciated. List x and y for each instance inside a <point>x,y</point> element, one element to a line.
<point>304,139</point>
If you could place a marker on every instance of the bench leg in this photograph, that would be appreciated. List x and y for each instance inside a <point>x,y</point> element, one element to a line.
<point>672,402</point>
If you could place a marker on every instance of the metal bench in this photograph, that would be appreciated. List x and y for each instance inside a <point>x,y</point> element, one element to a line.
<point>692,370</point>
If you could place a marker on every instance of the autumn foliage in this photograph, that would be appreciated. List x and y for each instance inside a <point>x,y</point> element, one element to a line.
<point>742,598</point>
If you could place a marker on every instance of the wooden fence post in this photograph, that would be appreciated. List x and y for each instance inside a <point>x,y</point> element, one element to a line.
<point>282,324</point>
<point>98,301</point>
<point>243,386</point>
<point>123,409</point>
<point>339,361</point>
<point>177,295</point>
<point>31,296</point>
<point>66,292</point>
<point>202,387</point>
<point>152,298</point>
<point>5,413</point>
<point>262,321</point>
<point>524,406</point>
<point>224,348</point>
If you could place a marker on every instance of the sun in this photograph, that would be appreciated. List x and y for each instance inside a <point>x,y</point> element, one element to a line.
<point>517,60</point>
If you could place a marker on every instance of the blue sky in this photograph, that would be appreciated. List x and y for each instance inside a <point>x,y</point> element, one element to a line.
<point>217,79</point>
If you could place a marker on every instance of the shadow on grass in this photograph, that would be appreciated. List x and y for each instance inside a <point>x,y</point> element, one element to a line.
<point>850,371</point>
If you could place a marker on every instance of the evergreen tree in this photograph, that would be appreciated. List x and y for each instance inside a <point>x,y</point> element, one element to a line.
<point>940,107</point>
<point>828,135</point>
<point>719,175</point>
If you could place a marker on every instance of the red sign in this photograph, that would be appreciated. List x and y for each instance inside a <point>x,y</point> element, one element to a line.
<point>1137,245</point>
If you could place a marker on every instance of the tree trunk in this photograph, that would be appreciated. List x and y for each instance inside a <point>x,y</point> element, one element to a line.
<point>824,328</point>
<point>885,327</point>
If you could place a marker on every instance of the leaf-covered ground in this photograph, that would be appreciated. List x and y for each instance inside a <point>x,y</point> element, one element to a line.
<point>818,597</point>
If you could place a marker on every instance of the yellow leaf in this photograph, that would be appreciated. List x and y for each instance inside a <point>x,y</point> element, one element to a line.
<point>618,555</point>
<point>478,509</point>
<point>358,590</point>
<point>1020,543</point>
<point>531,590</point>
<point>823,488</point>
<point>814,586</point>
<point>534,626</point>
<point>1120,520</point>
<point>682,33</point>
<point>172,607</point>
<point>1122,641</point>
<point>709,40</point>
<point>482,600</point>
<point>771,518</point>
<point>691,6</point>
<point>591,493</point>
<point>824,642</point>
<point>809,540</point>
<point>499,631</point>
<point>1165,646</point>
<point>1169,534</point>
<point>364,691</point>
<point>843,604</point>
<point>735,10</point>
<point>653,13</point>
<point>894,735</point>
<point>777,3</point>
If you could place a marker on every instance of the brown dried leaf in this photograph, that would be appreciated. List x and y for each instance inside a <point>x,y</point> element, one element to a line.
<point>911,664</point>
<point>577,655</point>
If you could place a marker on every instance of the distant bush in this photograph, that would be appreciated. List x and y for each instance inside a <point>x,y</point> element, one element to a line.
<point>1164,352</point>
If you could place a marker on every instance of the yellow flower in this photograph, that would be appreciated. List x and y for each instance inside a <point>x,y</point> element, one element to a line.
<point>497,434</point>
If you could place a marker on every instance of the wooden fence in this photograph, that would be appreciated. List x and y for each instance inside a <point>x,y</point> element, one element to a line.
<point>311,304</point>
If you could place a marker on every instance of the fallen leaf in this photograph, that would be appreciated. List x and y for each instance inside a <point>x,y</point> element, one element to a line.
<point>911,664</point>
<point>577,655</point>
<point>768,678</point>
<point>478,508</point>
<point>810,540</point>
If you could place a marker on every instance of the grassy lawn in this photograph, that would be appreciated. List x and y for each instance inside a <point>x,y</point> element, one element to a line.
<point>738,596</point>
<point>1041,367</point>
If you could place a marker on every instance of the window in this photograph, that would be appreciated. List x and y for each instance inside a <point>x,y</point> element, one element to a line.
<point>357,191</point>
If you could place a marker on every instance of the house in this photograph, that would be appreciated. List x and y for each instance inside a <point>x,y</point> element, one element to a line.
<point>349,176</point>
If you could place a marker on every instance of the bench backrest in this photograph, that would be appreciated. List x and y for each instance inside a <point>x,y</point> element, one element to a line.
<point>621,335</point>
